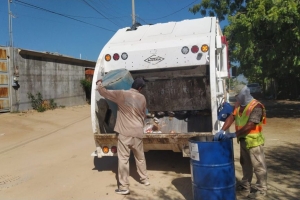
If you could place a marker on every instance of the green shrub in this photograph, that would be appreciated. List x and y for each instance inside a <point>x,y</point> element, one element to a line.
<point>39,104</point>
<point>36,101</point>
<point>53,105</point>
<point>87,87</point>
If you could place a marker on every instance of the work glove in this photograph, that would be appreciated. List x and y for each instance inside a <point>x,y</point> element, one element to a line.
<point>229,136</point>
<point>219,135</point>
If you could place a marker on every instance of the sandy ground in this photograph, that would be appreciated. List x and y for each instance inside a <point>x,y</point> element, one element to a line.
<point>47,156</point>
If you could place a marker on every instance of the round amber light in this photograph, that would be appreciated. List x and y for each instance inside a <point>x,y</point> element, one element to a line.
<point>204,48</point>
<point>107,57</point>
<point>105,149</point>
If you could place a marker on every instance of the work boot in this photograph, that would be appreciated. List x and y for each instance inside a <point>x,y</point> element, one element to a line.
<point>257,194</point>
<point>243,190</point>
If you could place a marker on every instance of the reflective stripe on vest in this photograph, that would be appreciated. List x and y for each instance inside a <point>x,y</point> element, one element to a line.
<point>254,137</point>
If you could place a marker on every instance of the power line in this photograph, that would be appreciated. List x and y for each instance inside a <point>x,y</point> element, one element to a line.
<point>46,10</point>
<point>151,4</point>
<point>120,17</point>
<point>99,12</point>
<point>140,19</point>
<point>86,17</point>
<point>101,4</point>
<point>174,12</point>
<point>115,6</point>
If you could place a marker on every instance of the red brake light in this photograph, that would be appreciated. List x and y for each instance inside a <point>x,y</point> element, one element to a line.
<point>195,49</point>
<point>114,149</point>
<point>116,56</point>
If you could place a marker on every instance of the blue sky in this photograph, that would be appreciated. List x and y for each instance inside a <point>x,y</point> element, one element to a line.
<point>81,27</point>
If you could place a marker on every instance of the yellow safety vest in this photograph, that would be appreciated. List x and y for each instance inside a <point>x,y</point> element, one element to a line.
<point>254,137</point>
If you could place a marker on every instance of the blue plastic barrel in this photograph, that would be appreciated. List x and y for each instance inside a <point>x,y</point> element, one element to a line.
<point>119,79</point>
<point>224,111</point>
<point>212,169</point>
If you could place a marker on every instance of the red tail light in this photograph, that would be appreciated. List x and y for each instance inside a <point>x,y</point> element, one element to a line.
<point>116,56</point>
<point>195,49</point>
<point>114,149</point>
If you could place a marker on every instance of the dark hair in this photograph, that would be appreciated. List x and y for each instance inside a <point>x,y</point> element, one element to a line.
<point>138,83</point>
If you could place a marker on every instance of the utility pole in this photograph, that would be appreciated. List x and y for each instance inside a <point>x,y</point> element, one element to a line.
<point>11,61</point>
<point>10,23</point>
<point>133,12</point>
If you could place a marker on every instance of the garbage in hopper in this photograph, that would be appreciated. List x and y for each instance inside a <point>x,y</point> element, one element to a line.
<point>152,125</point>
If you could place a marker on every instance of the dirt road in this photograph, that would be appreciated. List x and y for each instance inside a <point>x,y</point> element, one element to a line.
<point>47,156</point>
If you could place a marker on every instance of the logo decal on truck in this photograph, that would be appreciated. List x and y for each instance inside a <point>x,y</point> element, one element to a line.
<point>154,59</point>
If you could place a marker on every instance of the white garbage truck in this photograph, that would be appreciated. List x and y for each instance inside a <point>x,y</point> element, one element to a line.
<point>185,65</point>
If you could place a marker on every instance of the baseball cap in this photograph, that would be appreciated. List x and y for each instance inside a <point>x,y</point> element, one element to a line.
<point>138,83</point>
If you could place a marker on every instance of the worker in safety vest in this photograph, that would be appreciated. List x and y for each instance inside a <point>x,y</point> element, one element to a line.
<point>249,115</point>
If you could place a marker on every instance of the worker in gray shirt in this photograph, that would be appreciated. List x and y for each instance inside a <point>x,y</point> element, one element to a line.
<point>129,126</point>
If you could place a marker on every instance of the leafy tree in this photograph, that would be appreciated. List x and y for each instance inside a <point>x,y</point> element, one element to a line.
<point>264,37</point>
<point>219,8</point>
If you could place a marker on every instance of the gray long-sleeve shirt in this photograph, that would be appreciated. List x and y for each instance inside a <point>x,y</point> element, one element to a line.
<point>131,110</point>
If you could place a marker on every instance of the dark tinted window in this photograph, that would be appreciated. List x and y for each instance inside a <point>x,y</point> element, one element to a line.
<point>253,85</point>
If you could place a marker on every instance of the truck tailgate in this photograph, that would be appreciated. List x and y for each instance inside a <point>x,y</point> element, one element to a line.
<point>158,138</point>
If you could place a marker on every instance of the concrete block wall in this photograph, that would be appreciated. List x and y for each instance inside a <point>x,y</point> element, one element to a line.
<point>54,76</point>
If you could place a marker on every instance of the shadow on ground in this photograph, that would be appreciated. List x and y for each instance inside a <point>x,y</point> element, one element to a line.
<point>282,109</point>
<point>283,168</point>
<point>156,160</point>
<point>167,161</point>
<point>283,163</point>
<point>184,186</point>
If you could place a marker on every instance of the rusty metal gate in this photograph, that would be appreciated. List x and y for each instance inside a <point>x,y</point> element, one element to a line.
<point>4,81</point>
